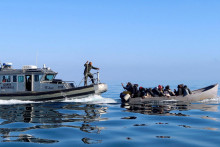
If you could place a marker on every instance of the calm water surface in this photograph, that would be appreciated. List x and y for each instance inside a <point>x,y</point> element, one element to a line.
<point>103,121</point>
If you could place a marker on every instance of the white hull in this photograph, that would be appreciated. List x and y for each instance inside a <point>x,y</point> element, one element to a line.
<point>57,94</point>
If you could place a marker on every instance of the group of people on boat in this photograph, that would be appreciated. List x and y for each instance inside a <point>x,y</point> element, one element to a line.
<point>135,91</point>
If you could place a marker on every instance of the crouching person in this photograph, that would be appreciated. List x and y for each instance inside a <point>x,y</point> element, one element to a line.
<point>135,93</point>
<point>142,92</point>
<point>158,91</point>
<point>168,92</point>
<point>150,92</point>
<point>126,95</point>
<point>186,91</point>
<point>145,93</point>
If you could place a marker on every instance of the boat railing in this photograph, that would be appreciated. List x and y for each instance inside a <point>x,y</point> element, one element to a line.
<point>96,79</point>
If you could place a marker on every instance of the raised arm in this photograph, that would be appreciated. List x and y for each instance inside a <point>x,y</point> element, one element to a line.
<point>95,68</point>
<point>86,63</point>
<point>122,85</point>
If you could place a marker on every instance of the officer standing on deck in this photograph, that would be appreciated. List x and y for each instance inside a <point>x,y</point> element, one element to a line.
<point>87,73</point>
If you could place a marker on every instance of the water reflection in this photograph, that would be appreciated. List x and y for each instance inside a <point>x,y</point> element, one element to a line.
<point>91,141</point>
<point>27,138</point>
<point>48,115</point>
<point>175,109</point>
<point>165,108</point>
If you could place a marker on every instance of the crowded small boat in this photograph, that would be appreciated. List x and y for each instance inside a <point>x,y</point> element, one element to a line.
<point>133,92</point>
<point>158,91</point>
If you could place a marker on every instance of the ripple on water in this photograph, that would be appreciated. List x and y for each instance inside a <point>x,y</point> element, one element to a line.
<point>103,122</point>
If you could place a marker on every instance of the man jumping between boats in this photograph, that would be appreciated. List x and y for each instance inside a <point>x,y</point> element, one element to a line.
<point>88,67</point>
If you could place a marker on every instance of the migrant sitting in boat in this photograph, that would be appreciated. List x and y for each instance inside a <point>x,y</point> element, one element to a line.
<point>182,90</point>
<point>128,88</point>
<point>133,91</point>
<point>168,92</point>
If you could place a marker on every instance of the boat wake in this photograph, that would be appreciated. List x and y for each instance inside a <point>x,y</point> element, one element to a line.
<point>213,100</point>
<point>94,99</point>
<point>13,102</point>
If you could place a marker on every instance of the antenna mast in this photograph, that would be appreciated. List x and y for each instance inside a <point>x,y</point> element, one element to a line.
<point>36,58</point>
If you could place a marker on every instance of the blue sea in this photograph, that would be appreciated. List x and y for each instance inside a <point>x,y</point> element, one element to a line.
<point>101,120</point>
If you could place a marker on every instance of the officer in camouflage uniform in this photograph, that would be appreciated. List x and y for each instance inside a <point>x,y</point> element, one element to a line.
<point>87,73</point>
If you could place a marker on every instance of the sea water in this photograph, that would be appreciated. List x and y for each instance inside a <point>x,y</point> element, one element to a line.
<point>104,121</point>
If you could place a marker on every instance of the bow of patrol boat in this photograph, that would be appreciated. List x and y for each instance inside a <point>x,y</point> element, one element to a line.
<point>100,88</point>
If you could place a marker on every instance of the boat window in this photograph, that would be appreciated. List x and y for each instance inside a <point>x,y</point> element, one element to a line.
<point>14,78</point>
<point>36,78</point>
<point>6,79</point>
<point>20,79</point>
<point>49,77</point>
<point>40,77</point>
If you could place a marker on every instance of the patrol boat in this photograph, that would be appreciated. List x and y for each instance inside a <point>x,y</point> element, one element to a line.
<point>39,84</point>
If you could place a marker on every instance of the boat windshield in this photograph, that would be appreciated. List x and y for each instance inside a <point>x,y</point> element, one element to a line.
<point>49,77</point>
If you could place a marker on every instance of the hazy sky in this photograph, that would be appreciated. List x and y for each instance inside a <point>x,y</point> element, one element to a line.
<point>127,39</point>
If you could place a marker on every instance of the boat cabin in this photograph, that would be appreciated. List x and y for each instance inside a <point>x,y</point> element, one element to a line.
<point>29,79</point>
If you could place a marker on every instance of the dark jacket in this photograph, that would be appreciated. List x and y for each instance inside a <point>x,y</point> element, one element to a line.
<point>88,67</point>
<point>179,90</point>
<point>150,92</point>
<point>142,92</point>
<point>135,91</point>
<point>157,92</point>
<point>129,88</point>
